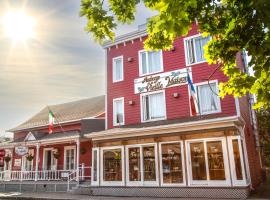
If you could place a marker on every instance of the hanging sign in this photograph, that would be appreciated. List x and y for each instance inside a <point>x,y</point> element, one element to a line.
<point>160,81</point>
<point>2,155</point>
<point>21,150</point>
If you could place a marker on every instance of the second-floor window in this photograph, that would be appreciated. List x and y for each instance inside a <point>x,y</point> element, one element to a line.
<point>153,106</point>
<point>194,49</point>
<point>150,62</point>
<point>118,112</point>
<point>209,101</point>
<point>118,69</point>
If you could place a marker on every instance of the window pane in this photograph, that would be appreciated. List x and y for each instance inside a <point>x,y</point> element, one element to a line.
<point>208,99</point>
<point>95,165</point>
<point>215,160</point>
<point>154,61</point>
<point>134,164</point>
<point>198,161</point>
<point>237,160</point>
<point>149,165</point>
<point>157,106</point>
<point>200,42</point>
<point>172,163</point>
<point>146,113</point>
<point>112,164</point>
<point>143,63</point>
<point>119,112</point>
<point>190,51</point>
<point>118,69</point>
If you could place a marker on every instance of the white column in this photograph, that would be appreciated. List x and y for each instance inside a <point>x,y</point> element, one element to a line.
<point>37,161</point>
<point>78,159</point>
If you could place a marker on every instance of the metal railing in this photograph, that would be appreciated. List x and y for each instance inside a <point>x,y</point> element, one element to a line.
<point>81,176</point>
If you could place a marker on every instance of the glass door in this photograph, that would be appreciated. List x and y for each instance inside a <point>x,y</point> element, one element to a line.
<point>49,162</point>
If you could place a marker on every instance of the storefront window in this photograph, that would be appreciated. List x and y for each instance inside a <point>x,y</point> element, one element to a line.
<point>134,164</point>
<point>215,160</point>
<point>112,165</point>
<point>95,165</point>
<point>237,160</point>
<point>171,163</point>
<point>149,165</point>
<point>198,161</point>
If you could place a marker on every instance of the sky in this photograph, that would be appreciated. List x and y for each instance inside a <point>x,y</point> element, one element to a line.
<point>61,63</point>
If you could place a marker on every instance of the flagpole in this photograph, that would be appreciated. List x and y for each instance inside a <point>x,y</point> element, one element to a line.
<point>56,120</point>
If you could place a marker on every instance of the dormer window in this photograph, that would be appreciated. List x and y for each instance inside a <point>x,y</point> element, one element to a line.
<point>150,62</point>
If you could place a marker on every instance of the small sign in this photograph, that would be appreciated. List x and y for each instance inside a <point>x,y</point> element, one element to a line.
<point>160,81</point>
<point>17,162</point>
<point>21,150</point>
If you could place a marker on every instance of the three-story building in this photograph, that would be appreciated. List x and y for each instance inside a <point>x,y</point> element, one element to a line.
<point>168,133</point>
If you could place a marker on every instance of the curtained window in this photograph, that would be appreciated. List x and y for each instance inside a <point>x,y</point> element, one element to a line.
<point>153,106</point>
<point>194,49</point>
<point>118,111</point>
<point>209,102</point>
<point>118,69</point>
<point>150,62</point>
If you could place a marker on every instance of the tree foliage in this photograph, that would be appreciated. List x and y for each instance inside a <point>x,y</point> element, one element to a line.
<point>233,24</point>
<point>263,117</point>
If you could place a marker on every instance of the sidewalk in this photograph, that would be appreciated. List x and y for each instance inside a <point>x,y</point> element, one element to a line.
<point>67,196</point>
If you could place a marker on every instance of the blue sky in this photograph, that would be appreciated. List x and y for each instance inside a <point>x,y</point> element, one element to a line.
<point>62,63</point>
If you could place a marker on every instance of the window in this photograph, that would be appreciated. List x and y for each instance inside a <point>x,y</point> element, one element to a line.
<point>118,69</point>
<point>150,62</point>
<point>208,162</point>
<point>95,166</point>
<point>118,112</point>
<point>112,166</point>
<point>49,161</point>
<point>194,49</point>
<point>153,106</point>
<point>171,163</point>
<point>142,164</point>
<point>209,102</point>
<point>70,158</point>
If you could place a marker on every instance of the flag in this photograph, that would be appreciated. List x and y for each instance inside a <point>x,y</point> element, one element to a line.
<point>193,99</point>
<point>51,121</point>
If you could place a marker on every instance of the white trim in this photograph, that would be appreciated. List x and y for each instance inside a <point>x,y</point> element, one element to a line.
<point>142,182</point>
<point>113,69</point>
<point>29,137</point>
<point>70,148</point>
<point>185,49</point>
<point>112,183</point>
<point>198,96</point>
<point>92,168</point>
<point>208,182</point>
<point>114,114</point>
<point>140,63</point>
<point>182,162</point>
<point>237,106</point>
<point>141,105</point>
<point>106,89</point>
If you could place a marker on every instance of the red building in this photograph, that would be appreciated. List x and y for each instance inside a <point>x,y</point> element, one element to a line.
<point>154,142</point>
<point>37,155</point>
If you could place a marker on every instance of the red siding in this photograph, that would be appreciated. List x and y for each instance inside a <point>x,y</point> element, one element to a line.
<point>172,60</point>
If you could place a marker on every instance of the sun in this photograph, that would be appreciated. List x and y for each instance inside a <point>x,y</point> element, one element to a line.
<point>18,26</point>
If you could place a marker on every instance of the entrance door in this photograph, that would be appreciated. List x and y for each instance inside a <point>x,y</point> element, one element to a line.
<point>49,162</point>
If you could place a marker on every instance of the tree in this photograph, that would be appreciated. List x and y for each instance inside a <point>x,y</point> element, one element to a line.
<point>233,24</point>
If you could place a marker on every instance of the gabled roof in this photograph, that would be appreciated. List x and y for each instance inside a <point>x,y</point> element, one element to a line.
<point>67,112</point>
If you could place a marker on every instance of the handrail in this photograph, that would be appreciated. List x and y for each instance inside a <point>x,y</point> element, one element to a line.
<point>75,176</point>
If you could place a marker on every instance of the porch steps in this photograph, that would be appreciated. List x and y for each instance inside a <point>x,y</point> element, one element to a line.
<point>34,186</point>
<point>165,192</point>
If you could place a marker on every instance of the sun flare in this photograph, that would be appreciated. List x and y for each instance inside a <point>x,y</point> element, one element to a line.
<point>18,26</point>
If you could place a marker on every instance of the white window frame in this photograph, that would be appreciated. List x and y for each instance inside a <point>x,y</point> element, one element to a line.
<point>140,63</point>
<point>245,180</point>
<point>112,183</point>
<point>24,160</point>
<point>114,111</point>
<point>141,104</point>
<point>65,153</point>
<point>197,85</point>
<point>142,182</point>
<point>92,168</point>
<point>52,159</point>
<point>114,72</point>
<point>186,50</point>
<point>208,182</point>
<point>181,146</point>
